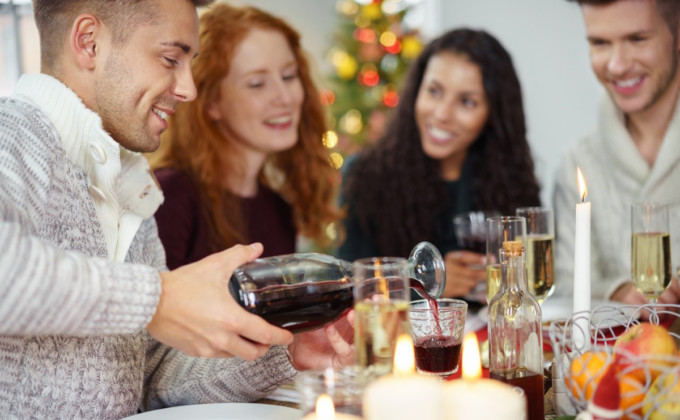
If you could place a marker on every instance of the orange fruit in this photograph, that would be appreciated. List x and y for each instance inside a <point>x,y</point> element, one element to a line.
<point>585,372</point>
<point>632,394</point>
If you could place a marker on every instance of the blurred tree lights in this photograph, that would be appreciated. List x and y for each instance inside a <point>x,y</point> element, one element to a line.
<point>372,49</point>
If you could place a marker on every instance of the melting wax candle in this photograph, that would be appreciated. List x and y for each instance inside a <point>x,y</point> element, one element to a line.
<point>474,397</point>
<point>581,303</point>
<point>404,395</point>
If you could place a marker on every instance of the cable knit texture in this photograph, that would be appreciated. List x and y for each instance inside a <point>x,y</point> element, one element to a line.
<point>617,176</point>
<point>124,192</point>
<point>72,340</point>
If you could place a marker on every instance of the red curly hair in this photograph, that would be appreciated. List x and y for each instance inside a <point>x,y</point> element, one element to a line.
<point>302,175</point>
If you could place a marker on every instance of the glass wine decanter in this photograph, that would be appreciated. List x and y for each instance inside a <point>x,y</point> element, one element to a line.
<point>515,336</point>
<point>305,291</point>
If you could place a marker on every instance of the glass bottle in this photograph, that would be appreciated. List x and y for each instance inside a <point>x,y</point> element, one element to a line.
<point>515,337</point>
<point>306,290</point>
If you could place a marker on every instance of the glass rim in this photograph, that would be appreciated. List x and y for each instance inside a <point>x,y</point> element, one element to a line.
<point>351,373</point>
<point>385,262</point>
<point>455,304</point>
<point>649,204</point>
<point>506,219</point>
<point>535,209</point>
<point>467,213</point>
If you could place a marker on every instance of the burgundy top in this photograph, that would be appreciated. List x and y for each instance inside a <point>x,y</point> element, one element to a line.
<point>183,227</point>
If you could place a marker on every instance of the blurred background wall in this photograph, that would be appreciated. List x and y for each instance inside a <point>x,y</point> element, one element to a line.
<point>545,37</point>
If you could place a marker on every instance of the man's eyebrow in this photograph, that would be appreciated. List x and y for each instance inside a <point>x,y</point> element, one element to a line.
<point>184,47</point>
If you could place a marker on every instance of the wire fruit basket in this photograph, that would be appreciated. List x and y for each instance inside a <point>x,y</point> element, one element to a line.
<point>649,379</point>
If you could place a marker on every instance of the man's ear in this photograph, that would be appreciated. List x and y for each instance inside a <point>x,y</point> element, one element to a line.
<point>83,40</point>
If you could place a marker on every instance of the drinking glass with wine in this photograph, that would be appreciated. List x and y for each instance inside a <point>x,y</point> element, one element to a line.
<point>382,299</point>
<point>540,250</point>
<point>438,335</point>
<point>650,249</point>
<point>470,230</point>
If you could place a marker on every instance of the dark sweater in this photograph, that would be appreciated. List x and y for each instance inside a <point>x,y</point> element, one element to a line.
<point>360,243</point>
<point>184,230</point>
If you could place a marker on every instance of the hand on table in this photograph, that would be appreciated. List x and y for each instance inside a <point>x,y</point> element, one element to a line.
<point>628,294</point>
<point>461,274</point>
<point>198,315</point>
<point>330,346</point>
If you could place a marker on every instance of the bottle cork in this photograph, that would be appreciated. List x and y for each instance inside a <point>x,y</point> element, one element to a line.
<point>512,248</point>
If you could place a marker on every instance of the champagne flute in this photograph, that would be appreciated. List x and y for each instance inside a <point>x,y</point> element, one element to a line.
<point>498,230</point>
<point>651,249</point>
<point>540,251</point>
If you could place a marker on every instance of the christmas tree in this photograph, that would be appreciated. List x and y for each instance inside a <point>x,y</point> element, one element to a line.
<point>372,49</point>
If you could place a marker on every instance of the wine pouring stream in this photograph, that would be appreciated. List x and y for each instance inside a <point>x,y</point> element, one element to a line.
<point>305,291</point>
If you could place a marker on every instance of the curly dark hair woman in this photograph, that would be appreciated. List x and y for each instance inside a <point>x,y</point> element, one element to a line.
<point>456,143</point>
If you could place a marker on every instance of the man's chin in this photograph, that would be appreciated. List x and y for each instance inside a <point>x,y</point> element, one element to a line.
<point>147,146</point>
<point>628,105</point>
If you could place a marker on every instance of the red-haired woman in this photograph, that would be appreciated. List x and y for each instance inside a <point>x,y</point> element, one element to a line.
<point>245,162</point>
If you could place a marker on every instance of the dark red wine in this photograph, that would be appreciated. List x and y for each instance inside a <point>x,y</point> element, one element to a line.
<point>297,302</point>
<point>532,385</point>
<point>437,354</point>
<point>301,307</point>
<point>473,243</point>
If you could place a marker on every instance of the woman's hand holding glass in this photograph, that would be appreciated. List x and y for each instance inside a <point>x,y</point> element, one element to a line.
<point>465,270</point>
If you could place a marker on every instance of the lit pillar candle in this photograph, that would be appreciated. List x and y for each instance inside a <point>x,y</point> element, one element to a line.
<point>581,303</point>
<point>404,395</point>
<point>474,397</point>
<point>325,410</point>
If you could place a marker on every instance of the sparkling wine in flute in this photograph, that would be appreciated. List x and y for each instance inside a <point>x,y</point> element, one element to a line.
<point>651,263</point>
<point>540,251</point>
<point>377,326</point>
<point>493,280</point>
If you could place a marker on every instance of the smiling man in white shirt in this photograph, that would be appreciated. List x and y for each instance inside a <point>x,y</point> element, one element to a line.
<point>633,155</point>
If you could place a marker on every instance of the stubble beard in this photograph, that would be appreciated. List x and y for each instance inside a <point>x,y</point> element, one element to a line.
<point>118,118</point>
<point>665,82</point>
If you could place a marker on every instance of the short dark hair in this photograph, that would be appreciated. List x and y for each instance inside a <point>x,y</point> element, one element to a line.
<point>55,17</point>
<point>668,9</point>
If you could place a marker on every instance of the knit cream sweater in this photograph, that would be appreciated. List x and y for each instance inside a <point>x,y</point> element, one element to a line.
<point>72,318</point>
<point>617,176</point>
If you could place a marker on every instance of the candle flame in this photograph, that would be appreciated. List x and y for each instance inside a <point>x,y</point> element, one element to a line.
<point>324,407</point>
<point>472,361</point>
<point>404,356</point>
<point>582,187</point>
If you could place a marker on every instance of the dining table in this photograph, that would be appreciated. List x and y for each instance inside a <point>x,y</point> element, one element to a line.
<point>476,321</point>
<point>284,402</point>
